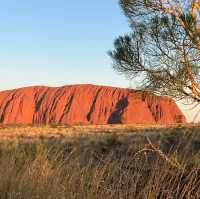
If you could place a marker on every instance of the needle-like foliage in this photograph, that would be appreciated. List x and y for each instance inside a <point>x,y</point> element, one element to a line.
<point>163,49</point>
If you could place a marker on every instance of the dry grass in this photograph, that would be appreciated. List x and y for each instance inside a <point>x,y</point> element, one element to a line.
<point>156,164</point>
<point>49,131</point>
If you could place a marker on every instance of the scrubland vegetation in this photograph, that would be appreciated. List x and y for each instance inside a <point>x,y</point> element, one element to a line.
<point>156,163</point>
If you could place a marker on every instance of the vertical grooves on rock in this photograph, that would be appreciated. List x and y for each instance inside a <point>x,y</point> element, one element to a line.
<point>153,104</point>
<point>4,109</point>
<point>55,99</point>
<point>67,107</point>
<point>92,108</point>
<point>39,100</point>
<point>19,110</point>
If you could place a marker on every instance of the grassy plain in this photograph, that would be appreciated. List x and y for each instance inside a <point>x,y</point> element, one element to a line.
<point>90,162</point>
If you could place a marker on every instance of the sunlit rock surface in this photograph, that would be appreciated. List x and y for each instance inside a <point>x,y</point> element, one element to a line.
<point>86,104</point>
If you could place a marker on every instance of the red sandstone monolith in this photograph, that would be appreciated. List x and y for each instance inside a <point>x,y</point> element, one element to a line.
<point>86,104</point>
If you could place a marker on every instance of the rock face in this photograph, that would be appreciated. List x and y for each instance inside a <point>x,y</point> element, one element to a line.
<point>86,104</point>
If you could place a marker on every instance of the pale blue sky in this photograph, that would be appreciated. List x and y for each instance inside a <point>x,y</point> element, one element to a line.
<point>57,42</point>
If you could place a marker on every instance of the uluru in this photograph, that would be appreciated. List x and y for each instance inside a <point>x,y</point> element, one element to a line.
<point>86,104</point>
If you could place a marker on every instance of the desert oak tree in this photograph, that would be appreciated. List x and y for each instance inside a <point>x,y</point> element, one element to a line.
<point>163,49</point>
